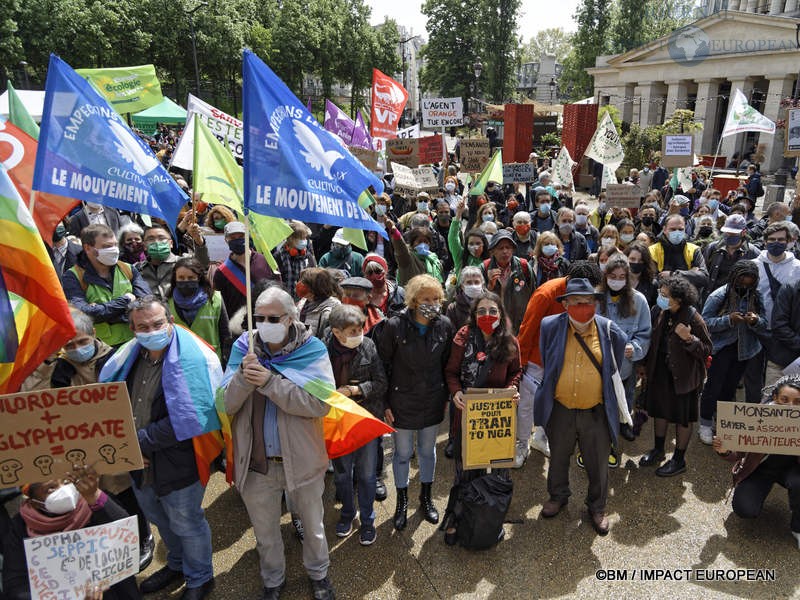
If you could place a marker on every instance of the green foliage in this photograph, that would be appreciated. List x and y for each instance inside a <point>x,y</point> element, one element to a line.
<point>642,143</point>
<point>593,18</point>
<point>549,144</point>
<point>554,41</point>
<point>613,112</point>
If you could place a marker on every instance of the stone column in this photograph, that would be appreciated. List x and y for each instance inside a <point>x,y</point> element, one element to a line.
<point>625,102</point>
<point>706,110</point>
<point>775,7</point>
<point>650,104</point>
<point>779,87</point>
<point>752,5</point>
<point>677,95</point>
<point>742,5</point>
<point>731,143</point>
<point>790,7</point>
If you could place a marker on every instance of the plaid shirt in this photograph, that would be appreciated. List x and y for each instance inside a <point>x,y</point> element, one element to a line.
<point>291,266</point>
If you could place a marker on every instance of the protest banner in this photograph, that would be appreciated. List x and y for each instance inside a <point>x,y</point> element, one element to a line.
<point>429,149</point>
<point>403,151</point>
<point>763,428</point>
<point>217,247</point>
<point>488,428</point>
<point>442,112</point>
<point>67,565</point>
<point>409,132</point>
<point>404,179</point>
<point>127,89</point>
<point>623,195</point>
<point>389,99</point>
<point>225,128</point>
<point>792,132</point>
<point>368,158</point>
<point>474,154</point>
<point>426,179</point>
<point>605,146</point>
<point>43,433</point>
<point>677,150</point>
<point>518,173</point>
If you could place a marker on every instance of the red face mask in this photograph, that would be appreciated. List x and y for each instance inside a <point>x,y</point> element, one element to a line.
<point>512,204</point>
<point>488,323</point>
<point>522,229</point>
<point>301,289</point>
<point>377,279</point>
<point>581,313</point>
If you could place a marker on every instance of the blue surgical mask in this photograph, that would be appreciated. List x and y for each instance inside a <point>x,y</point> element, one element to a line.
<point>81,354</point>
<point>676,237</point>
<point>380,209</point>
<point>236,246</point>
<point>422,249</point>
<point>776,248</point>
<point>713,204</point>
<point>549,249</point>
<point>422,207</point>
<point>684,212</point>
<point>544,208</point>
<point>487,217</point>
<point>663,302</point>
<point>301,244</point>
<point>732,240</point>
<point>155,340</point>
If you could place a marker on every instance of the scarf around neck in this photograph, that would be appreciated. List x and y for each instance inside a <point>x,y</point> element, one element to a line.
<point>190,306</point>
<point>38,523</point>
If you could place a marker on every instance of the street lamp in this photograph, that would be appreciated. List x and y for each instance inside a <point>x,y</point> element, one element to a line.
<point>405,69</point>
<point>553,86</point>
<point>24,66</point>
<point>190,14</point>
<point>477,69</point>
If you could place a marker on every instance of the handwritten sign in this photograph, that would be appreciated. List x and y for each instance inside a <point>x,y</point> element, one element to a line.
<point>429,149</point>
<point>403,151</point>
<point>623,195</point>
<point>43,433</point>
<point>764,428</point>
<point>442,112</point>
<point>217,247</point>
<point>474,154</point>
<point>62,565</point>
<point>426,180</point>
<point>518,173</point>
<point>414,180</point>
<point>488,428</point>
<point>677,150</point>
<point>368,158</point>
<point>792,132</point>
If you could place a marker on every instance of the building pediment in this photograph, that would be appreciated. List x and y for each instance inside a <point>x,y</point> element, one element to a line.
<point>722,35</point>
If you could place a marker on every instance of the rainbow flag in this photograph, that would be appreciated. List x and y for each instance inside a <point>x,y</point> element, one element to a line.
<point>41,315</point>
<point>190,378</point>
<point>347,426</point>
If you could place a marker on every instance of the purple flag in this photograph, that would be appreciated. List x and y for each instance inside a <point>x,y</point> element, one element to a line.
<point>310,106</point>
<point>337,122</point>
<point>361,137</point>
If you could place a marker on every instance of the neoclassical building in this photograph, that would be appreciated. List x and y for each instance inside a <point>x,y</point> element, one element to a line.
<point>751,45</point>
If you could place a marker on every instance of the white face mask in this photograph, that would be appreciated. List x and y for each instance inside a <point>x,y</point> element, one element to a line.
<point>607,242</point>
<point>94,208</point>
<point>271,333</point>
<point>616,284</point>
<point>352,341</point>
<point>581,220</point>
<point>108,256</point>
<point>450,187</point>
<point>63,500</point>
<point>472,290</point>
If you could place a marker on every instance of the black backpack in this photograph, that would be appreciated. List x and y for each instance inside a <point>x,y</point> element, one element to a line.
<point>480,509</point>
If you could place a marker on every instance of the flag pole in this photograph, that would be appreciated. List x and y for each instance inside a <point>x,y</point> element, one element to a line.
<point>714,164</point>
<point>248,290</point>
<point>32,200</point>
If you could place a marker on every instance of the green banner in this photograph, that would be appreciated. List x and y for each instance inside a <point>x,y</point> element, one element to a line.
<point>127,89</point>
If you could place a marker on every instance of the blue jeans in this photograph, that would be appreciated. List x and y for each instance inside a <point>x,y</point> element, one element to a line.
<point>182,525</point>
<point>403,449</point>
<point>362,461</point>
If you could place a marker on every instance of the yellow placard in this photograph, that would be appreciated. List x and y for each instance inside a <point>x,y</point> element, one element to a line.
<point>488,428</point>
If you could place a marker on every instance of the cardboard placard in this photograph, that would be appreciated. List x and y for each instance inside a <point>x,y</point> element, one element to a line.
<point>43,433</point>
<point>677,150</point>
<point>518,173</point>
<point>429,149</point>
<point>426,179</point>
<point>403,151</point>
<point>623,195</point>
<point>404,179</point>
<point>763,428</point>
<point>792,132</point>
<point>368,158</point>
<point>488,428</point>
<point>62,565</point>
<point>442,112</point>
<point>474,154</point>
<point>217,247</point>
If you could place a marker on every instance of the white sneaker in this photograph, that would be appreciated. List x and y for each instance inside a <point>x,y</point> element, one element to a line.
<point>540,443</point>
<point>521,454</point>
<point>706,434</point>
<point>796,535</point>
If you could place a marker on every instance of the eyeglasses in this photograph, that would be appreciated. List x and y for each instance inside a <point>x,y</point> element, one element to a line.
<point>270,318</point>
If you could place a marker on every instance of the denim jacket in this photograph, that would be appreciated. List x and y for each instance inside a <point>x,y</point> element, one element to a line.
<point>637,328</point>
<point>724,333</point>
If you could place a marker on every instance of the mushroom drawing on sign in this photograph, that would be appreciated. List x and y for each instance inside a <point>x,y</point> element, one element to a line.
<point>8,471</point>
<point>107,452</point>
<point>44,463</point>
<point>76,456</point>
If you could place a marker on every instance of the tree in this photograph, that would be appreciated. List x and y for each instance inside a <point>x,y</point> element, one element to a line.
<point>553,41</point>
<point>637,22</point>
<point>499,47</point>
<point>593,18</point>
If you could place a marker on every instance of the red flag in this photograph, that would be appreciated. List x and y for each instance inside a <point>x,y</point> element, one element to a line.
<point>18,156</point>
<point>388,101</point>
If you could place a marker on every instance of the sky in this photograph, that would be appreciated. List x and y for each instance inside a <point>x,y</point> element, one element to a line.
<point>558,14</point>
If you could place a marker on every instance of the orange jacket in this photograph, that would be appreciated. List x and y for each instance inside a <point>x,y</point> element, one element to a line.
<point>542,304</point>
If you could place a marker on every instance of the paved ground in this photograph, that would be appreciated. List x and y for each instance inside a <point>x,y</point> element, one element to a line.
<point>670,524</point>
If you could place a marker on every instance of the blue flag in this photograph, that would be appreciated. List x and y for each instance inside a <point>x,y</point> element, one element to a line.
<point>87,151</point>
<point>293,168</point>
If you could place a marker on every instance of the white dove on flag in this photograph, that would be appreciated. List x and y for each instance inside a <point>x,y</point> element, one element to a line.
<point>315,154</point>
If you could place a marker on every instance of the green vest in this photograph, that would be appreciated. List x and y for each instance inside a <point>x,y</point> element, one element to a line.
<point>206,323</point>
<point>112,334</point>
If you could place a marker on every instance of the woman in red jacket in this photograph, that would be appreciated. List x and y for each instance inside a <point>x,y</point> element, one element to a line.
<point>484,354</point>
<point>754,473</point>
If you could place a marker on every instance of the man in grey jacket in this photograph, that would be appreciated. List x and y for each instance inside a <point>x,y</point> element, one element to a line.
<point>278,443</point>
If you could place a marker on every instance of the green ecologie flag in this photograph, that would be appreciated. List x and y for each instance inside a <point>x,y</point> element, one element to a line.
<point>492,172</point>
<point>19,115</point>
<point>219,179</point>
<point>127,89</point>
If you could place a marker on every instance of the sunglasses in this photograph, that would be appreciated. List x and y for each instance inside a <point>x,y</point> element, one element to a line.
<point>270,318</point>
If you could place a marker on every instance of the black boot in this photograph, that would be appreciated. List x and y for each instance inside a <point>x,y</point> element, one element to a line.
<point>401,510</point>
<point>426,504</point>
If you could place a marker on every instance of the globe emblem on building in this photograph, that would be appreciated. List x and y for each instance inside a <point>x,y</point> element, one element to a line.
<point>689,46</point>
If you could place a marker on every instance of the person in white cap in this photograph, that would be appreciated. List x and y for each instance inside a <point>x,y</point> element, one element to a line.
<point>229,278</point>
<point>342,256</point>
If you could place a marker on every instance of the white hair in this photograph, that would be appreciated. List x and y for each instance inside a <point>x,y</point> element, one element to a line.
<point>522,214</point>
<point>277,294</point>
<point>130,228</point>
<point>466,271</point>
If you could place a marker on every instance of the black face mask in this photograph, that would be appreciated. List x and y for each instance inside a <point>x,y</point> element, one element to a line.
<point>637,268</point>
<point>705,231</point>
<point>648,221</point>
<point>742,291</point>
<point>187,288</point>
<point>236,246</point>
<point>59,234</point>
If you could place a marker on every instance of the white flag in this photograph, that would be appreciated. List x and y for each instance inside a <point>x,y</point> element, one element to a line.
<point>608,177</point>
<point>562,168</point>
<point>606,146</point>
<point>743,117</point>
<point>224,127</point>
